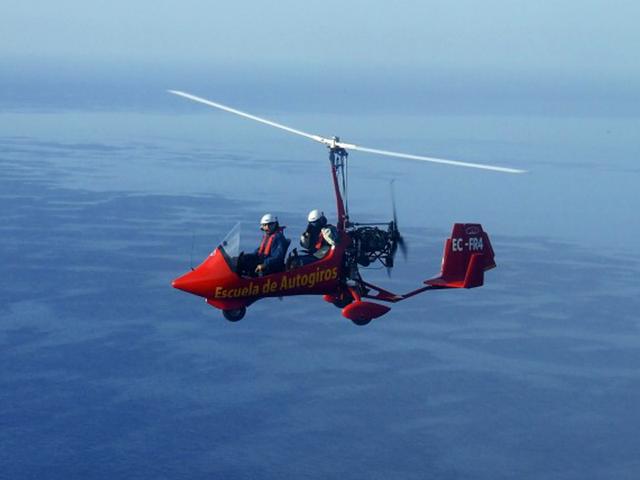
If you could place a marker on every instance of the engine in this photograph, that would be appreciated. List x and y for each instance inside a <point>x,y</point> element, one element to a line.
<point>371,243</point>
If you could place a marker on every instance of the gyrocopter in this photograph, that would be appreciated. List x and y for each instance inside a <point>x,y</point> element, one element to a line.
<point>336,276</point>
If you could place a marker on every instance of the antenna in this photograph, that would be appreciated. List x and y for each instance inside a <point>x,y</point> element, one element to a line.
<point>193,241</point>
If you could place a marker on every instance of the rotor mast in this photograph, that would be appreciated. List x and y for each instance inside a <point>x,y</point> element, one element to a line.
<point>339,172</point>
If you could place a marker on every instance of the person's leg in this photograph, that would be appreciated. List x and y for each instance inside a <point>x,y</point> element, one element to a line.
<point>275,268</point>
<point>306,259</point>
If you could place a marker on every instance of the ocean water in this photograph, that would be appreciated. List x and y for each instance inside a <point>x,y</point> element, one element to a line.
<point>108,372</point>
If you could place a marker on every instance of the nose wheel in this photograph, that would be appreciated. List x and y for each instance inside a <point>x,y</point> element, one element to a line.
<point>235,314</point>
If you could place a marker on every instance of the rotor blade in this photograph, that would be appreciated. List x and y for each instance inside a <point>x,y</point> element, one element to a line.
<point>334,142</point>
<point>195,98</point>
<point>429,159</point>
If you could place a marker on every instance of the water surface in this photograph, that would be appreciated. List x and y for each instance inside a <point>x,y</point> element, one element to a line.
<point>108,372</point>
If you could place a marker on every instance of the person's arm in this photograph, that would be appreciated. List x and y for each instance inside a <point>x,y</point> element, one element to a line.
<point>330,235</point>
<point>305,240</point>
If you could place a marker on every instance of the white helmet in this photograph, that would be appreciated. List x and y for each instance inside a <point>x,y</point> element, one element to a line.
<point>268,218</point>
<point>315,215</point>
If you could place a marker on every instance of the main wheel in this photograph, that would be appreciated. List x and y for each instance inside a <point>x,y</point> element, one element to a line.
<point>343,300</point>
<point>235,314</point>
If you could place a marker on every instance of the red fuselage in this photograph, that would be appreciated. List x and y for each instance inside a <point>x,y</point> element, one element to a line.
<point>215,280</point>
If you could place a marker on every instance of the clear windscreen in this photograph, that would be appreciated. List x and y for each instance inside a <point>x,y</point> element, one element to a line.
<point>231,242</point>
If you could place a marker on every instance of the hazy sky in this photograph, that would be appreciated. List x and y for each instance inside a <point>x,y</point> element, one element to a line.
<point>500,47</point>
<point>508,34</point>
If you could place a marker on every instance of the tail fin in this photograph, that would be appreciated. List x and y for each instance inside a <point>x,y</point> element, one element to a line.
<point>467,254</point>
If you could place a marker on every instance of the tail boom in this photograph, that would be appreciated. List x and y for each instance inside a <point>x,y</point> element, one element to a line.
<point>467,255</point>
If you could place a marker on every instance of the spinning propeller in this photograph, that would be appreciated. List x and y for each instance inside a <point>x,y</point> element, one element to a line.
<point>336,143</point>
<point>396,238</point>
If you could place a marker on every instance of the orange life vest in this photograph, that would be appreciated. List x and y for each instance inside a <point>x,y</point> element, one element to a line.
<point>265,245</point>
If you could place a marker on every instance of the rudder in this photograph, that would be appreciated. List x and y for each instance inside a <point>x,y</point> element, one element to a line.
<point>467,255</point>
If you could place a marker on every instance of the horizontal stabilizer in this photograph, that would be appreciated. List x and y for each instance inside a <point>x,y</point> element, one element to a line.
<point>467,254</point>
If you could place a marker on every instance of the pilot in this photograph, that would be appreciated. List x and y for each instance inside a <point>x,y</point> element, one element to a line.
<point>318,238</point>
<point>269,256</point>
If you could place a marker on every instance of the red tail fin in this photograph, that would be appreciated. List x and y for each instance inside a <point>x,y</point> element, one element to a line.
<point>467,254</point>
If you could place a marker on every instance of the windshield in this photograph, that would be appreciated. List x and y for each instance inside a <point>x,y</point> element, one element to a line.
<point>231,243</point>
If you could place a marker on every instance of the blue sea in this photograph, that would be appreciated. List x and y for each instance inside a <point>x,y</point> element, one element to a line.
<point>108,372</point>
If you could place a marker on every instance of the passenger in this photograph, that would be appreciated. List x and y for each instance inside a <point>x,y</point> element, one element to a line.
<point>269,256</point>
<point>318,238</point>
